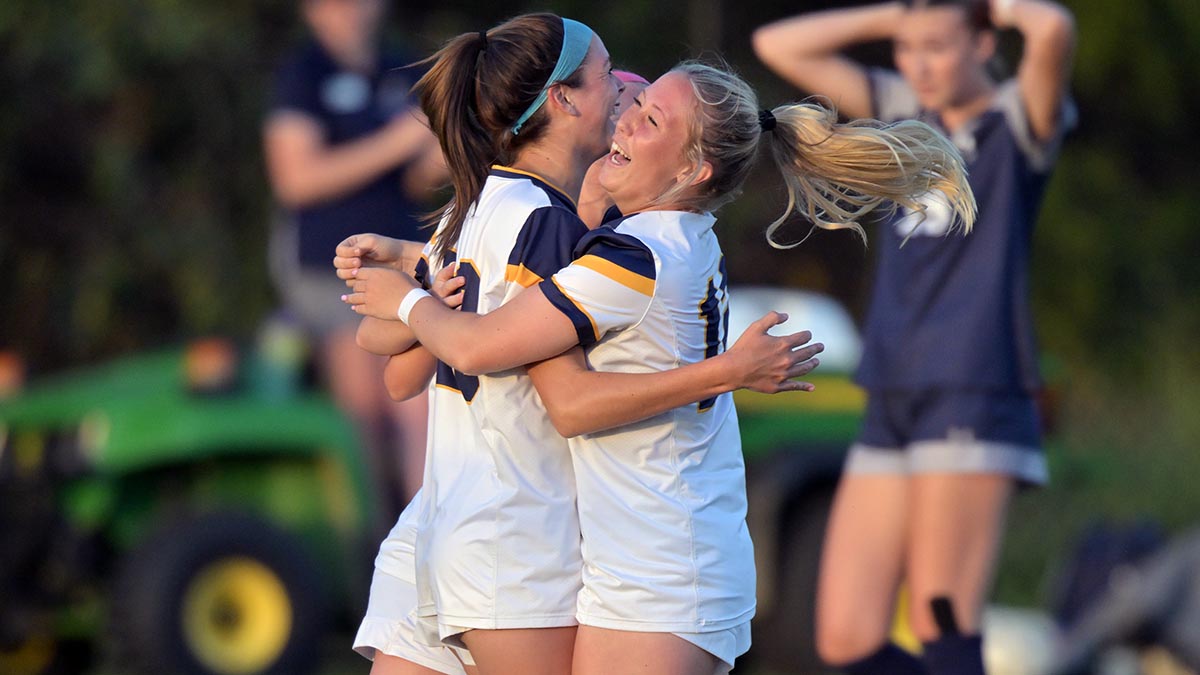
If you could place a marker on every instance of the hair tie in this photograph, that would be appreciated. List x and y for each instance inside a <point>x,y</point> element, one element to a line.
<point>766,120</point>
<point>483,40</point>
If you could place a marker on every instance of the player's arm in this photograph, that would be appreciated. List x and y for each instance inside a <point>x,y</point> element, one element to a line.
<point>1048,31</point>
<point>407,374</point>
<point>304,169</point>
<point>579,400</point>
<point>806,50</point>
<point>384,337</point>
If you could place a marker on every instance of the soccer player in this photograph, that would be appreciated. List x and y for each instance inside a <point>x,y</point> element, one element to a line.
<point>949,359</point>
<point>497,537</point>
<point>668,575</point>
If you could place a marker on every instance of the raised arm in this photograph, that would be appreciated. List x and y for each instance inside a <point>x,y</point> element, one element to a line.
<point>580,401</point>
<point>1048,31</point>
<point>806,50</point>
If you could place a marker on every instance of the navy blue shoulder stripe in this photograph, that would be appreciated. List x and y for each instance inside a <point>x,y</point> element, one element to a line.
<point>621,249</point>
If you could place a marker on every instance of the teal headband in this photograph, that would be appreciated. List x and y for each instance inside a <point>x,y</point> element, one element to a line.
<point>577,38</point>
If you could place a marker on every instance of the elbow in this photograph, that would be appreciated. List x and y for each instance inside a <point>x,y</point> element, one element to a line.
<point>567,424</point>
<point>763,43</point>
<point>402,391</point>
<point>1056,31</point>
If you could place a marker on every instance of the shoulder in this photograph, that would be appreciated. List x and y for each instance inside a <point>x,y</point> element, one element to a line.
<point>1041,155</point>
<point>892,99</point>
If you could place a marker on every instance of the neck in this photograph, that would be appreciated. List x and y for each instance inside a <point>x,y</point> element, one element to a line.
<point>970,107</point>
<point>357,57</point>
<point>564,170</point>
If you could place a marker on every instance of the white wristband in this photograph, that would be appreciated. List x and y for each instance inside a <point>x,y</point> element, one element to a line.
<point>409,300</point>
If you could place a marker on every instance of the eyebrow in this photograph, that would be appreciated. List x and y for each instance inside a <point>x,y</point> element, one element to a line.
<point>640,99</point>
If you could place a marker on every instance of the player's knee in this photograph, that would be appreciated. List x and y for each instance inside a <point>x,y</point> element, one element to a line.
<point>842,639</point>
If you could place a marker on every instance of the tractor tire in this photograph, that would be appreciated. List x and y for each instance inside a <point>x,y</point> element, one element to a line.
<point>788,639</point>
<point>218,594</point>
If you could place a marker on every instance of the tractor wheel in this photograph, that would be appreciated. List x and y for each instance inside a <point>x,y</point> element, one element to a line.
<point>219,594</point>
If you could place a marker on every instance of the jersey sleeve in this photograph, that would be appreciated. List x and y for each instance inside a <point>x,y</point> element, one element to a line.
<point>421,274</point>
<point>296,90</point>
<point>1041,154</point>
<point>544,245</point>
<point>607,288</point>
<point>891,97</point>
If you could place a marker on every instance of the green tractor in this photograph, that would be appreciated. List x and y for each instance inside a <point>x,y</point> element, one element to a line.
<point>200,511</point>
<point>192,508</point>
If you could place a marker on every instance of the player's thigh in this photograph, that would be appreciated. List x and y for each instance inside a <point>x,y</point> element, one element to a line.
<point>956,527</point>
<point>522,651</point>
<point>386,664</point>
<point>602,651</point>
<point>861,565</point>
<point>353,374</point>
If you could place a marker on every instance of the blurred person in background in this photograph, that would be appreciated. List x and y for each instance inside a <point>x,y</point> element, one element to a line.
<point>949,361</point>
<point>347,151</point>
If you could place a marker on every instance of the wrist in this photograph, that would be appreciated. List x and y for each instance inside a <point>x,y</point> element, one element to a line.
<point>410,300</point>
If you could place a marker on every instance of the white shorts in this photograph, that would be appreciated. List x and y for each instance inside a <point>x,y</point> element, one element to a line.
<point>726,644</point>
<point>390,627</point>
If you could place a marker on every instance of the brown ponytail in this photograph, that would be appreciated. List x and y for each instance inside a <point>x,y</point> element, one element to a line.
<point>478,86</point>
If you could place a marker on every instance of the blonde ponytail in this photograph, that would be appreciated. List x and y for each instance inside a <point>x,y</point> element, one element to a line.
<point>836,174</point>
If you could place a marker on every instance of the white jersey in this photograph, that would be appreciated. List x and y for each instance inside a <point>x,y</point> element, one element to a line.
<point>498,537</point>
<point>662,502</point>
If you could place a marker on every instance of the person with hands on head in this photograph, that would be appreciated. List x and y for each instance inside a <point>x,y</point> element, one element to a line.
<point>346,151</point>
<point>949,358</point>
<point>668,576</point>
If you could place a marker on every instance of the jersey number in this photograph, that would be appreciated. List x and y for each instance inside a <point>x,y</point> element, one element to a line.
<point>715,312</point>
<point>467,385</point>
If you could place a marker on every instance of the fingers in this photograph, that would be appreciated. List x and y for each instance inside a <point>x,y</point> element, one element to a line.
<point>767,321</point>
<point>355,299</point>
<point>807,352</point>
<point>455,301</point>
<point>803,368</point>
<point>796,339</point>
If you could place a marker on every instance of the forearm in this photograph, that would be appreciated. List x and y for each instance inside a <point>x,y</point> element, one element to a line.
<point>309,172</point>
<point>581,401</point>
<point>384,337</point>
<point>821,34</point>
<point>1048,32</point>
<point>525,330</point>
<point>407,374</point>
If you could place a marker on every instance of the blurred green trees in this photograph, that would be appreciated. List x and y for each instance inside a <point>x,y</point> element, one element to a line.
<point>134,210</point>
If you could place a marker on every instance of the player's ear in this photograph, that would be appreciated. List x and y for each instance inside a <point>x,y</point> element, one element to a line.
<point>559,99</point>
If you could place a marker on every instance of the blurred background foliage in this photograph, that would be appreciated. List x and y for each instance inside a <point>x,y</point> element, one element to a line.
<point>134,210</point>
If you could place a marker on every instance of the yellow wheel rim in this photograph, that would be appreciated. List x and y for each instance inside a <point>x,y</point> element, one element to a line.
<point>236,616</point>
<point>32,656</point>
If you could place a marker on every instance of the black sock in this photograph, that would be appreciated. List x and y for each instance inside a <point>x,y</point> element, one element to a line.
<point>887,660</point>
<point>955,655</point>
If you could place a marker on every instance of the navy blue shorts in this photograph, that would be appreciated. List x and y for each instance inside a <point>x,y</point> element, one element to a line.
<point>950,431</point>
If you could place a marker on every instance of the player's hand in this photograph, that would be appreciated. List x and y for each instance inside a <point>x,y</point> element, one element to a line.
<point>378,292</point>
<point>769,363</point>
<point>367,250</point>
<point>448,286</point>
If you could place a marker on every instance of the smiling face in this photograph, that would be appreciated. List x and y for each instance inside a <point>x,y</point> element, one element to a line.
<point>649,151</point>
<point>595,99</point>
<point>940,56</point>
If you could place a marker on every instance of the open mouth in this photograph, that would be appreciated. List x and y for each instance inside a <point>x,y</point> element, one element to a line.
<point>617,155</point>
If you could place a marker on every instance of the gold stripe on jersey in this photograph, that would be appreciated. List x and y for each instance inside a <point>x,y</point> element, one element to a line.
<point>595,329</point>
<point>534,175</point>
<point>610,269</point>
<point>522,275</point>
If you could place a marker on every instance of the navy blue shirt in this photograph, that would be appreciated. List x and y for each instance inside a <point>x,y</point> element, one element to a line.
<point>348,105</point>
<point>952,311</point>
